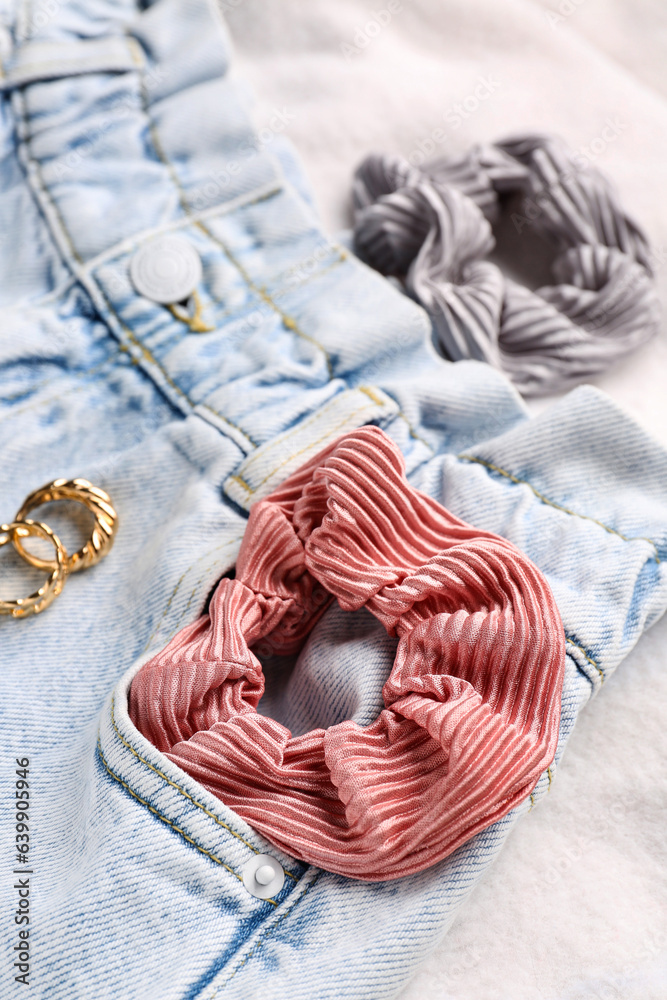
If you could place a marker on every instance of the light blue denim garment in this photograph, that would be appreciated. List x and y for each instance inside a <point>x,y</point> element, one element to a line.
<point>119,124</point>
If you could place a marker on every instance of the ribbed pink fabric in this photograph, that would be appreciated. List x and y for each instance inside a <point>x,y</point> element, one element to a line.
<point>472,702</point>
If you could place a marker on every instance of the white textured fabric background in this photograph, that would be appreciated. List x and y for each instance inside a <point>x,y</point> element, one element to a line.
<point>576,906</point>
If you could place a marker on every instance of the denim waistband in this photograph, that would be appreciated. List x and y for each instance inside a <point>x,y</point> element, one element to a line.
<point>136,111</point>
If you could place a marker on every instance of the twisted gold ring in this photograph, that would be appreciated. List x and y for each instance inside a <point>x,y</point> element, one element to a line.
<point>96,500</point>
<point>32,605</point>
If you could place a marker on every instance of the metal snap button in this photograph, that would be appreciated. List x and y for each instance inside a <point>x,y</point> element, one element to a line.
<point>263,876</point>
<point>166,270</point>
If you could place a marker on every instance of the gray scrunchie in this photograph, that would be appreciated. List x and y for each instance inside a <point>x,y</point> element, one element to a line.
<point>430,226</point>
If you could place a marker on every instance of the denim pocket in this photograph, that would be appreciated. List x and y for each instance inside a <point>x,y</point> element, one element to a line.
<point>170,860</point>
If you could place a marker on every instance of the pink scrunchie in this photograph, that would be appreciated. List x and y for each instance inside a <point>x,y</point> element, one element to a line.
<point>472,702</point>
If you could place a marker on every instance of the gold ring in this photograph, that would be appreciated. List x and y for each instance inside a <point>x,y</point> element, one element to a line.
<point>96,500</point>
<point>48,592</point>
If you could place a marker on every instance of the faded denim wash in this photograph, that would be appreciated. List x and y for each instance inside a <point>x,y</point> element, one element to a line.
<point>118,123</point>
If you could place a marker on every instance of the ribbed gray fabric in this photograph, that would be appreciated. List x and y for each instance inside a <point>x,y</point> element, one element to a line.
<point>431,226</point>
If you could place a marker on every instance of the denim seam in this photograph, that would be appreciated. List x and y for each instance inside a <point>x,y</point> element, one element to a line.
<point>413,433</point>
<point>260,291</point>
<point>558,506</point>
<point>264,936</point>
<point>81,68</point>
<point>285,288</point>
<point>130,244</point>
<point>84,65</point>
<point>165,819</point>
<point>263,193</point>
<point>313,444</point>
<point>151,359</point>
<point>183,792</point>
<point>550,775</point>
<point>197,584</point>
<point>587,657</point>
<point>287,321</point>
<point>367,390</point>
<point>148,356</point>
<point>25,118</point>
<point>232,541</point>
<point>538,791</point>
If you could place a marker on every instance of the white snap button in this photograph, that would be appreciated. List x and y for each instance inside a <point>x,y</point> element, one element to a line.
<point>166,270</point>
<point>263,876</point>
